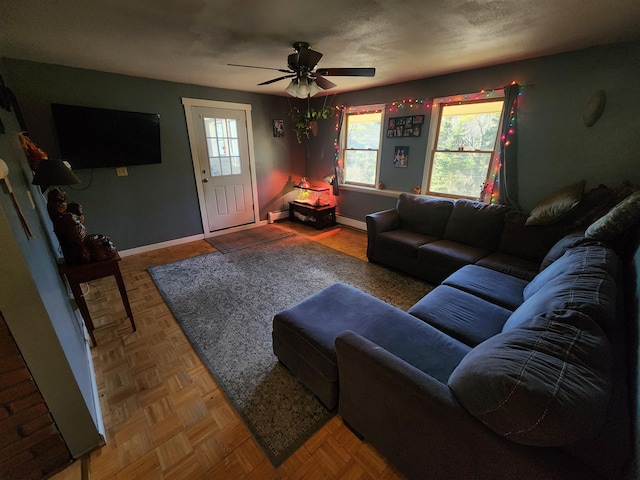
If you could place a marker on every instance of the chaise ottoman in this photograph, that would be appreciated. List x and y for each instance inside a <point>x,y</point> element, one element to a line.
<point>304,337</point>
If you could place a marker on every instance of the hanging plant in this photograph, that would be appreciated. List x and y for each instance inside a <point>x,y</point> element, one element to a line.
<point>305,122</point>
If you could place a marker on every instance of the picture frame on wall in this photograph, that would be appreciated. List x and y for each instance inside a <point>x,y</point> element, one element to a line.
<point>278,128</point>
<point>401,157</point>
<point>410,126</point>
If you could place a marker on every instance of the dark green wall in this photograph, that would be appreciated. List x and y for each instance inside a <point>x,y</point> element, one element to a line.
<point>154,203</point>
<point>35,303</point>
<point>555,147</point>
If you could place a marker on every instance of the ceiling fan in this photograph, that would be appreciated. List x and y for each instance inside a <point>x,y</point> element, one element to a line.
<point>307,80</point>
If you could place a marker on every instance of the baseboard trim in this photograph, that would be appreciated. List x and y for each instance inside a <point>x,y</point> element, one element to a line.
<point>156,246</point>
<point>340,220</point>
<point>350,222</point>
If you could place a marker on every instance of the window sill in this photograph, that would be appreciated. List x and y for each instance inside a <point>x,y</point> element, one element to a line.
<point>370,190</point>
<point>394,193</point>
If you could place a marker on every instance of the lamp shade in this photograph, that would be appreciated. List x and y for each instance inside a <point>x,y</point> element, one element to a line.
<point>54,172</point>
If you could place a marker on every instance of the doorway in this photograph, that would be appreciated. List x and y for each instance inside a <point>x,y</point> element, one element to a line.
<point>220,136</point>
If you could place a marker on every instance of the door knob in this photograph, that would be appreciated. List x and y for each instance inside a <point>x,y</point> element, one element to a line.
<point>205,180</point>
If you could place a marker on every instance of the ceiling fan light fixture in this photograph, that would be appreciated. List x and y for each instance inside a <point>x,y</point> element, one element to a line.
<point>292,89</point>
<point>313,88</point>
<point>302,88</point>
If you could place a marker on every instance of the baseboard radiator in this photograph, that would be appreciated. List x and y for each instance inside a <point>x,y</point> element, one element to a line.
<point>277,215</point>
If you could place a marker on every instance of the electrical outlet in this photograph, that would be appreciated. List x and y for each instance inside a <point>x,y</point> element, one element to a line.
<point>122,171</point>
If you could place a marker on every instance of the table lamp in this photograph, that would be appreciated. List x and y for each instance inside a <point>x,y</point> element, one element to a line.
<point>53,173</point>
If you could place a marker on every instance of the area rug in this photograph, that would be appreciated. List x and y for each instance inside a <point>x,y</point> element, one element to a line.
<point>231,242</point>
<point>225,304</point>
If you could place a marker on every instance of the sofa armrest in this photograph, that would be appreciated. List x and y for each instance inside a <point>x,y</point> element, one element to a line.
<point>416,423</point>
<point>380,222</point>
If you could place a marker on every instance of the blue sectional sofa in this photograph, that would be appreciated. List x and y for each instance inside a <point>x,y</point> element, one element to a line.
<point>502,371</point>
<point>538,387</point>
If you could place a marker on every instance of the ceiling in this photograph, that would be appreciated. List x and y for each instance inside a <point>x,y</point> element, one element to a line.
<point>192,41</point>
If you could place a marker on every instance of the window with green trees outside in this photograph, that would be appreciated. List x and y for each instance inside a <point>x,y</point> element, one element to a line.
<point>466,142</point>
<point>362,147</point>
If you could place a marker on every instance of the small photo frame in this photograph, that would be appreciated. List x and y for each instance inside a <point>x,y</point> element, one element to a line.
<point>405,126</point>
<point>278,128</point>
<point>401,157</point>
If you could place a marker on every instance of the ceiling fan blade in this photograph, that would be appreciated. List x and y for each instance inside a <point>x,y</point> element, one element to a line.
<point>263,68</point>
<point>347,72</point>
<point>293,61</point>
<point>323,83</point>
<point>308,58</point>
<point>277,79</point>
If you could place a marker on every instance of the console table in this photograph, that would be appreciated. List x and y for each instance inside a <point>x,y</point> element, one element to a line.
<point>87,272</point>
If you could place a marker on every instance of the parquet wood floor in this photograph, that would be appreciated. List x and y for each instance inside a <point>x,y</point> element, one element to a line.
<point>165,416</point>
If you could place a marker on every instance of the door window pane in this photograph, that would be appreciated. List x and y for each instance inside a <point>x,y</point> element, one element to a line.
<point>223,146</point>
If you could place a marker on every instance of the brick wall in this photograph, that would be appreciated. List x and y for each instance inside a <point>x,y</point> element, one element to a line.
<point>31,446</point>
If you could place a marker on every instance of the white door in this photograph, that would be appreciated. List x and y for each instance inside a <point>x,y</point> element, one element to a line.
<point>222,160</point>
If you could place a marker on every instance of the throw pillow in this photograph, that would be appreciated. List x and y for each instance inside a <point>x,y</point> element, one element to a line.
<point>545,384</point>
<point>618,220</point>
<point>553,207</point>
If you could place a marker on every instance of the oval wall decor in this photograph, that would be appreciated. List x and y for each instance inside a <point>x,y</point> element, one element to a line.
<point>594,107</point>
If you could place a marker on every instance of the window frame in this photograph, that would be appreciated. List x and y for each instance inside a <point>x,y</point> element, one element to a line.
<point>359,110</point>
<point>434,134</point>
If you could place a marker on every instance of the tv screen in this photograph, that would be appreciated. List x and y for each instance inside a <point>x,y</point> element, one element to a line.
<point>96,137</point>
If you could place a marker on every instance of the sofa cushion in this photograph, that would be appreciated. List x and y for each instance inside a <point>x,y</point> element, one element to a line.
<point>458,253</point>
<point>465,317</point>
<point>587,257</point>
<point>424,215</point>
<point>443,257</point>
<point>580,281</point>
<point>555,206</point>
<point>493,286</point>
<point>546,384</point>
<point>527,242</point>
<point>475,223</point>
<point>403,241</point>
<point>510,265</point>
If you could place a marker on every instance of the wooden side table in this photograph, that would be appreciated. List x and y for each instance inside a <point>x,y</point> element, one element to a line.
<point>87,272</point>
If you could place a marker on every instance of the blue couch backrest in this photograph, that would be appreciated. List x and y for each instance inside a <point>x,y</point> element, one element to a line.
<point>475,223</point>
<point>425,215</point>
<point>583,279</point>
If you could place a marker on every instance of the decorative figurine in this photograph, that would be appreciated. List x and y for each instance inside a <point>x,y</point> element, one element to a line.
<point>68,225</point>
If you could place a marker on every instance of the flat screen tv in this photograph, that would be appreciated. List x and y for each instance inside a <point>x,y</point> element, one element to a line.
<point>97,138</point>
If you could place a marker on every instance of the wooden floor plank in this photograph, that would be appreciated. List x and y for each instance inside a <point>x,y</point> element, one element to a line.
<point>166,417</point>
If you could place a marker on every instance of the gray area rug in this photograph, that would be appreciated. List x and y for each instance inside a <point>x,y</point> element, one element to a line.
<point>225,304</point>
<point>232,242</point>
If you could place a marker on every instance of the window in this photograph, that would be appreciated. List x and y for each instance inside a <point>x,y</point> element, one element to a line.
<point>361,140</point>
<point>465,143</point>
